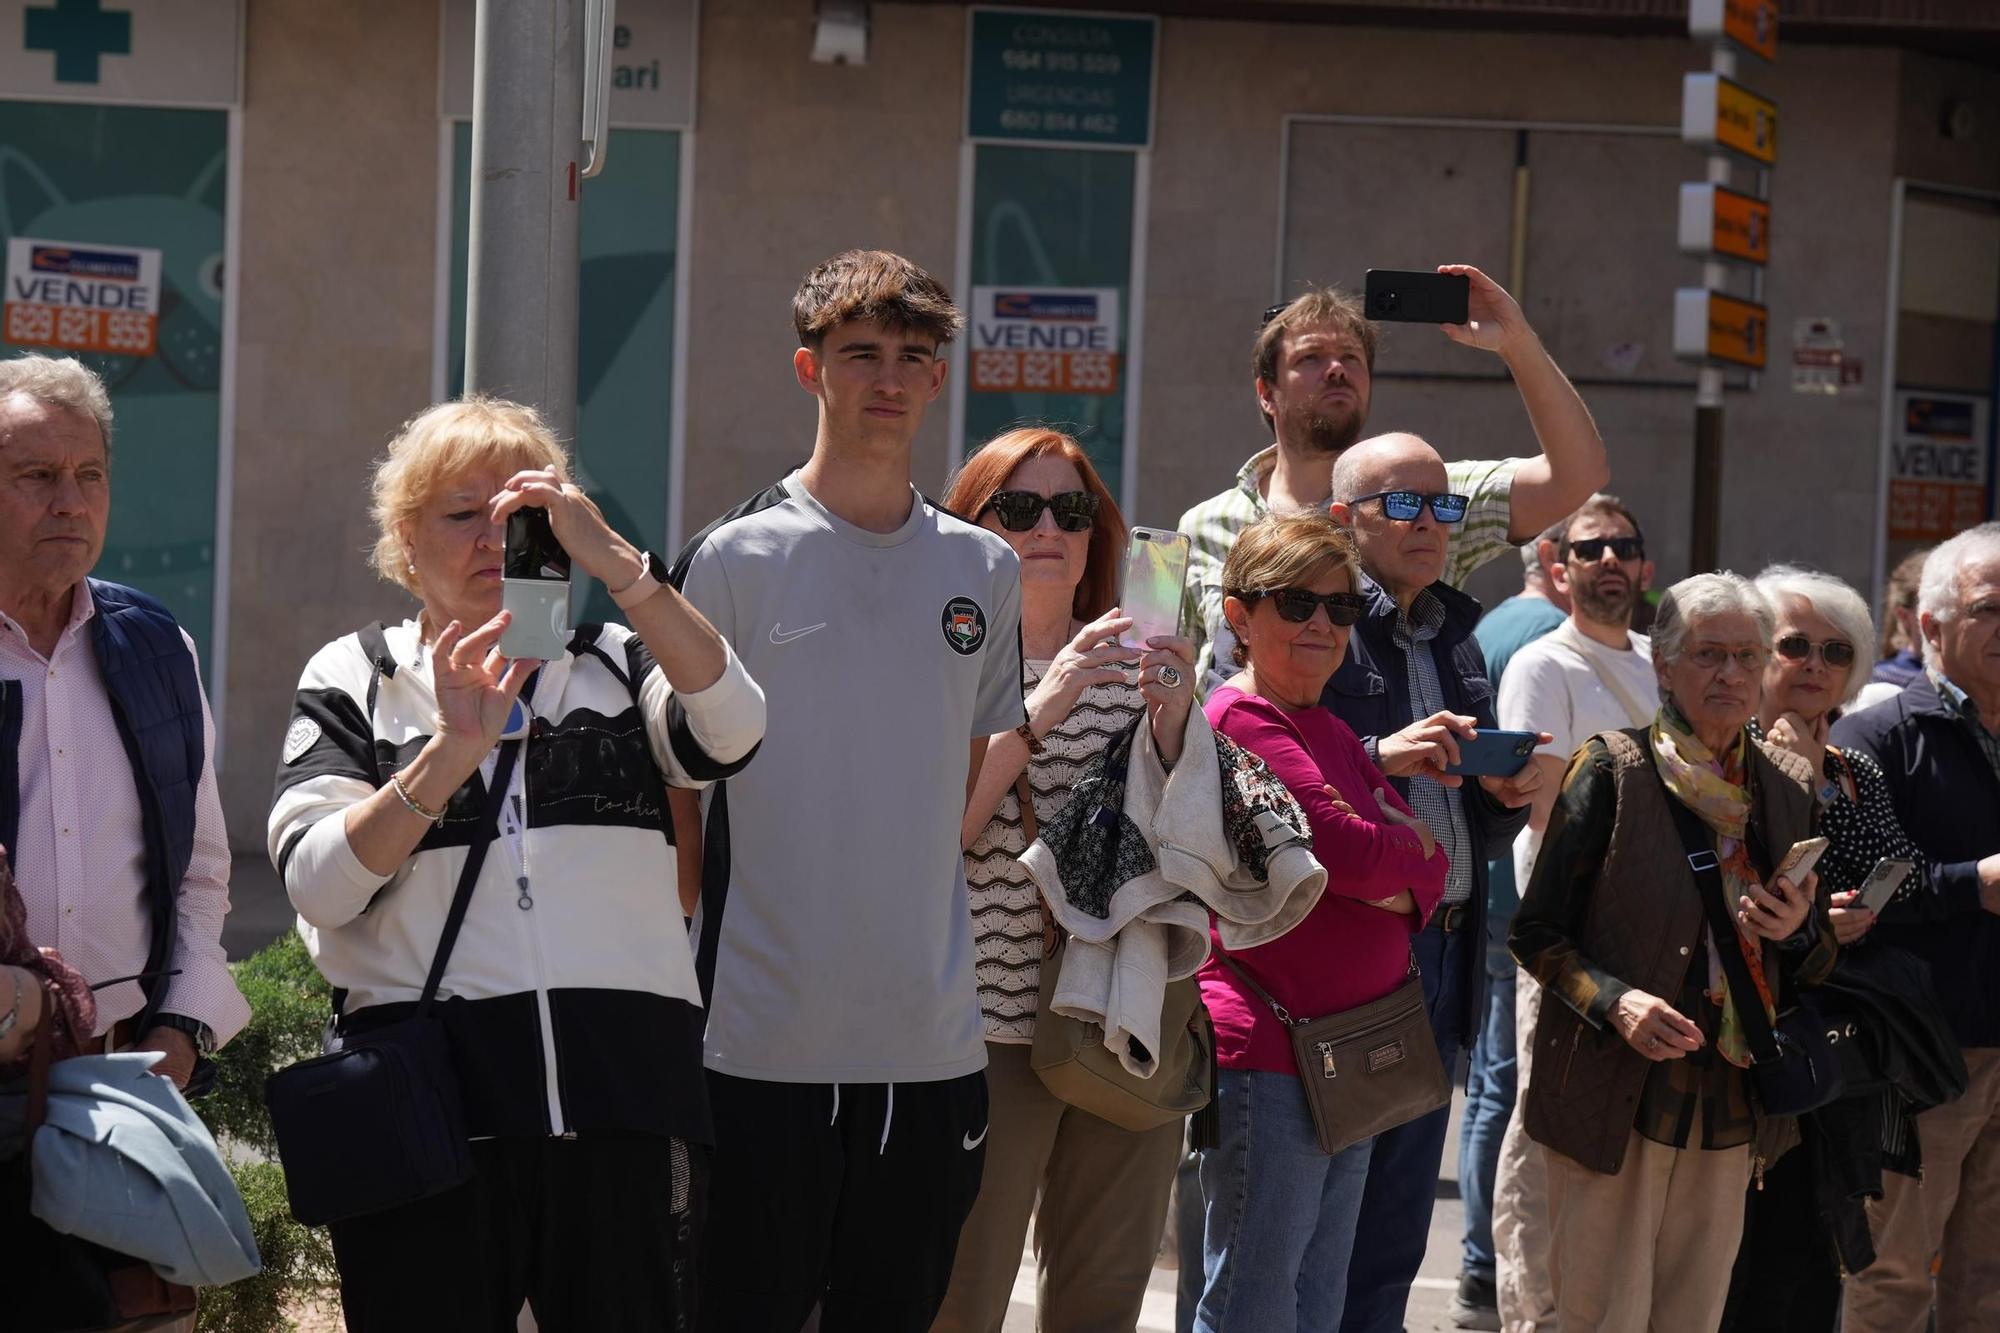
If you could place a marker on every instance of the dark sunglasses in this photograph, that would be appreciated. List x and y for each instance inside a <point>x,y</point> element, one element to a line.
<point>1019,511</point>
<point>1406,505</point>
<point>1297,605</point>
<point>1272,313</point>
<point>1591,549</point>
<point>1835,653</point>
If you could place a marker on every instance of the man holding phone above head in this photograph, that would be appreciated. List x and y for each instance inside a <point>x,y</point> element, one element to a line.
<point>1313,363</point>
<point>1414,687</point>
<point>1590,674</point>
<point>845,1047</point>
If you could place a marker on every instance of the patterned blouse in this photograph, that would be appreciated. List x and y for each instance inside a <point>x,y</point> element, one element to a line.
<point>1862,831</point>
<point>1006,909</point>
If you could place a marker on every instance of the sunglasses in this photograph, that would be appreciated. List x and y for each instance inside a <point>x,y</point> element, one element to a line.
<point>1297,605</point>
<point>1272,313</point>
<point>1406,505</point>
<point>1019,511</point>
<point>1591,549</point>
<point>1713,657</point>
<point>1835,653</point>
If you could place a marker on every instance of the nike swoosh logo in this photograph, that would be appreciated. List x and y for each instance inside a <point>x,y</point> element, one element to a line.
<point>971,1143</point>
<point>781,637</point>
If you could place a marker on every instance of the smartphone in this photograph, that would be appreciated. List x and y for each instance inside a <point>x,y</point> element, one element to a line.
<point>1493,753</point>
<point>534,586</point>
<point>1155,570</point>
<point>1882,883</point>
<point>1415,297</point>
<point>1800,860</point>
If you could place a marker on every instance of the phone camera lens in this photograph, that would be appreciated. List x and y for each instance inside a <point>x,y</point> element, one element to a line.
<point>1391,302</point>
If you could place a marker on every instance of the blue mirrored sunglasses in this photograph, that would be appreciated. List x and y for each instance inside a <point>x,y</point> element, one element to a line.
<point>1406,505</point>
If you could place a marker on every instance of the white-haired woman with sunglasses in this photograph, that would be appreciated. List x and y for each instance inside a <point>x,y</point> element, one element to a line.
<point>1786,1276</point>
<point>1098,1193</point>
<point>1279,1215</point>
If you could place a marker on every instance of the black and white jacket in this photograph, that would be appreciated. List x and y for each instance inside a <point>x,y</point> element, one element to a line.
<point>574,1007</point>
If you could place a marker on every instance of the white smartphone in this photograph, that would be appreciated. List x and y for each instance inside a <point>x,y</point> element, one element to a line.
<point>1882,883</point>
<point>534,587</point>
<point>1155,570</point>
<point>1800,860</point>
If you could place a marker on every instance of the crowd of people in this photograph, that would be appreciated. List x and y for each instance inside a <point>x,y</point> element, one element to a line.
<point>805,879</point>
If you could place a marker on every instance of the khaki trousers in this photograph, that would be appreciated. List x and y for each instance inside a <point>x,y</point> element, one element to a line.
<point>1103,1208</point>
<point>1521,1191</point>
<point>1650,1249</point>
<point>1953,1213</point>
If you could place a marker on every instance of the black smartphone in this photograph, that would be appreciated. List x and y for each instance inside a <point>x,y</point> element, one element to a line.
<point>1410,296</point>
<point>534,586</point>
<point>1492,753</point>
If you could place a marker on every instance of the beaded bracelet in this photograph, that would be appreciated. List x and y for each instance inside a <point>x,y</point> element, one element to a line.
<point>434,816</point>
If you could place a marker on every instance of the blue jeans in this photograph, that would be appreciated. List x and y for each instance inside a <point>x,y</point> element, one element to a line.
<point>1489,1105</point>
<point>1279,1214</point>
<point>1395,1220</point>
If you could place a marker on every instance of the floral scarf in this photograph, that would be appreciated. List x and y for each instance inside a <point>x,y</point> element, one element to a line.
<point>1716,790</point>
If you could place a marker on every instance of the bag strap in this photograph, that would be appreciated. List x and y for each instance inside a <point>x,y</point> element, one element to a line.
<point>1639,716</point>
<point>1283,1014</point>
<point>475,856</point>
<point>40,1055</point>
<point>1022,793</point>
<point>1707,870</point>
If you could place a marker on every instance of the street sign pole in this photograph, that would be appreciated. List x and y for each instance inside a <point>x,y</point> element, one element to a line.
<point>1712,327</point>
<point>527,153</point>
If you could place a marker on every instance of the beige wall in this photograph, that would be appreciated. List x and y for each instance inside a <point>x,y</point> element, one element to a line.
<point>794,161</point>
<point>339,190</point>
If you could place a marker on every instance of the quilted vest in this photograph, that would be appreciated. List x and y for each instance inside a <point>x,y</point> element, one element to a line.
<point>1644,915</point>
<point>155,692</point>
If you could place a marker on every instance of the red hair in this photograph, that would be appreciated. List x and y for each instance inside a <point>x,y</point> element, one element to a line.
<point>988,470</point>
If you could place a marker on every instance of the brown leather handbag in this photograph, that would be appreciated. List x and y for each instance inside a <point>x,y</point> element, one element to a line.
<point>66,1283</point>
<point>1367,1069</point>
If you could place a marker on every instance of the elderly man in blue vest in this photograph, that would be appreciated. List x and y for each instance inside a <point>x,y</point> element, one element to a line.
<point>108,801</point>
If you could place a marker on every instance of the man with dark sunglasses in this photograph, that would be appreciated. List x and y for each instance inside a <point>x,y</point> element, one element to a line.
<point>1313,364</point>
<point>1412,686</point>
<point>1590,674</point>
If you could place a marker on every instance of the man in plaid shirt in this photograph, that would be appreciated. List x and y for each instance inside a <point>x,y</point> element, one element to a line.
<point>1313,361</point>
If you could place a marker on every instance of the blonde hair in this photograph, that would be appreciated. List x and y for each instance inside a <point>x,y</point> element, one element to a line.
<point>1286,551</point>
<point>443,442</point>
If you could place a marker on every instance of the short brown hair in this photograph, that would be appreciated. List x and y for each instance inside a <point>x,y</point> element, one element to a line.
<point>1318,307</point>
<point>1599,505</point>
<point>1286,551</point>
<point>987,471</point>
<point>1901,594</point>
<point>877,286</point>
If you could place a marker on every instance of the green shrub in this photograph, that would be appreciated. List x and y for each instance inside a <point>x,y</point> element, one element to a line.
<point>289,1002</point>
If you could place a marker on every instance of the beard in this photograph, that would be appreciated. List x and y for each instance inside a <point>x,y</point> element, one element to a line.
<point>1321,433</point>
<point>1606,601</point>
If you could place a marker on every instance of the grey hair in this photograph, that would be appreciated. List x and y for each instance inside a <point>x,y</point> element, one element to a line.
<point>1833,598</point>
<point>1346,474</point>
<point>61,382</point>
<point>1937,593</point>
<point>1700,596</point>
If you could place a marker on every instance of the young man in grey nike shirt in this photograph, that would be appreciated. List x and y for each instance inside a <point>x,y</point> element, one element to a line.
<point>844,1047</point>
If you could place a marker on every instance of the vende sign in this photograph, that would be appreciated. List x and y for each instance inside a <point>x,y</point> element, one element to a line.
<point>1044,340</point>
<point>82,297</point>
<point>1937,466</point>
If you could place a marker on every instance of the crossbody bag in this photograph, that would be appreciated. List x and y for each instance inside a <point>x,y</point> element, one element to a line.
<point>379,1123</point>
<point>1794,1066</point>
<point>1364,1070</point>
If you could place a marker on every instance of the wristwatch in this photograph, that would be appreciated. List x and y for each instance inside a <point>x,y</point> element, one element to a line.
<point>197,1031</point>
<point>639,589</point>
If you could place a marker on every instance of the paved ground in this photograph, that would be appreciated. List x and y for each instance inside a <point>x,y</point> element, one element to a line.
<point>259,913</point>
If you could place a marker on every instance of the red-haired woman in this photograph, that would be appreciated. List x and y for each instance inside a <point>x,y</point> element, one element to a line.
<point>1102,1189</point>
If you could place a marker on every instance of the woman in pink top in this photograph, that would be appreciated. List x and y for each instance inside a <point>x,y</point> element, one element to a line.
<point>1279,1215</point>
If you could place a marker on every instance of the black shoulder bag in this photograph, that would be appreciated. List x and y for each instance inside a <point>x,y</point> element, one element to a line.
<point>1793,1064</point>
<point>378,1124</point>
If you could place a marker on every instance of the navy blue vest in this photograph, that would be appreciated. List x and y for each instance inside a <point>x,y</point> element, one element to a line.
<point>155,693</point>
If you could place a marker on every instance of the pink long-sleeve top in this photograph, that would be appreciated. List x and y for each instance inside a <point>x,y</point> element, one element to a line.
<point>1345,953</point>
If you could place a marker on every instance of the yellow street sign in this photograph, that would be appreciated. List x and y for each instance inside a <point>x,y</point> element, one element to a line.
<point>1718,222</point>
<point>1751,25</point>
<point>1714,326</point>
<point>1720,113</point>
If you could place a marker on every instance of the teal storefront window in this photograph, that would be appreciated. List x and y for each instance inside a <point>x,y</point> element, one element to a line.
<point>625,341</point>
<point>1055,217</point>
<point>138,180</point>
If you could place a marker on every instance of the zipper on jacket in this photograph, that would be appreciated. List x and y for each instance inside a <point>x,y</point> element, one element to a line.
<point>545,1017</point>
<point>1575,1037</point>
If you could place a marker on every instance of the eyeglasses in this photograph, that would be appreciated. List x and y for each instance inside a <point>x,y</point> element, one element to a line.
<point>1272,313</point>
<point>1297,605</point>
<point>1713,657</point>
<point>1836,653</point>
<point>1019,511</point>
<point>1591,549</point>
<point>1406,505</point>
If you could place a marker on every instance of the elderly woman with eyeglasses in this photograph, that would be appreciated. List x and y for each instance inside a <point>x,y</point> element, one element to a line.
<point>1641,1090</point>
<point>1786,1275</point>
